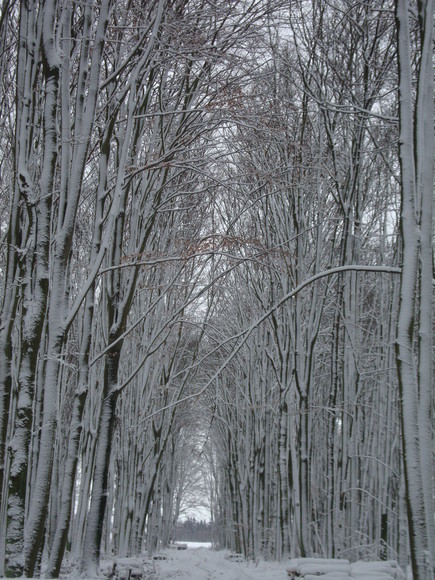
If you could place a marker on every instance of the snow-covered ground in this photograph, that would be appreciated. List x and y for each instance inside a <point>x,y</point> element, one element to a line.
<point>198,562</point>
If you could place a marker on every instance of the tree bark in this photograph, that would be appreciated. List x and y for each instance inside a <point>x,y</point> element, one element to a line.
<point>414,362</point>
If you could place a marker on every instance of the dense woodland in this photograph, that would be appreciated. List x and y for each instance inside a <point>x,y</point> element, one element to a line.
<point>216,274</point>
<point>191,530</point>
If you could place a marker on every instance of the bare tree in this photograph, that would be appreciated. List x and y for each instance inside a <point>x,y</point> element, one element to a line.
<point>414,328</point>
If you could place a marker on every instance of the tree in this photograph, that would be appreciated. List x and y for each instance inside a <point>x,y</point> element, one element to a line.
<point>414,344</point>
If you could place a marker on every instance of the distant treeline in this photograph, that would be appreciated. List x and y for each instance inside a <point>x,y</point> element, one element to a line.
<point>191,530</point>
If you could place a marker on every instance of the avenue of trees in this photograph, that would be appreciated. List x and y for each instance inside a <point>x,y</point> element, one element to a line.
<point>216,276</point>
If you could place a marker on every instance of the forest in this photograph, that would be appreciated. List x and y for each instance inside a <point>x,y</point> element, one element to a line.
<point>216,279</point>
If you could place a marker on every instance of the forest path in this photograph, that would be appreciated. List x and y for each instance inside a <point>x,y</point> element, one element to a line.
<point>206,564</point>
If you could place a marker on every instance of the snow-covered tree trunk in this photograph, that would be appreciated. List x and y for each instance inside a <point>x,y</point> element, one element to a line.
<point>414,332</point>
<point>58,304</point>
<point>38,197</point>
<point>94,529</point>
<point>75,430</point>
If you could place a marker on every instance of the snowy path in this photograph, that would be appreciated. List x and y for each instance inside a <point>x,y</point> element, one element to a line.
<point>199,562</point>
<point>202,563</point>
<point>206,564</point>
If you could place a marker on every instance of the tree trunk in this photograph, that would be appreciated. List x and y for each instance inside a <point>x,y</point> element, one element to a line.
<point>414,362</point>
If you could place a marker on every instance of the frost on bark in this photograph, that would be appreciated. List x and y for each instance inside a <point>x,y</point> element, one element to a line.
<point>40,492</point>
<point>34,194</point>
<point>414,346</point>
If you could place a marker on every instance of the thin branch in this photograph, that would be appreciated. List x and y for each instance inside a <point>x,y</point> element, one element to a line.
<point>244,334</point>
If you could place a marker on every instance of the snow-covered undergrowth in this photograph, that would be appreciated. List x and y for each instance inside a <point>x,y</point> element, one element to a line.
<point>314,568</point>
